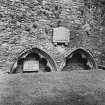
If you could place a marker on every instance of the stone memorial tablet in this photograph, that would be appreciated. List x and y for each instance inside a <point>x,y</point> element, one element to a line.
<point>61,35</point>
<point>31,65</point>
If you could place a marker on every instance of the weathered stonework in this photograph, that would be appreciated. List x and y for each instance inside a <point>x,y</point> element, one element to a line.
<point>29,24</point>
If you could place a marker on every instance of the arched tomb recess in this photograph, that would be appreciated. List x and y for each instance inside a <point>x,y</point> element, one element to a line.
<point>34,60</point>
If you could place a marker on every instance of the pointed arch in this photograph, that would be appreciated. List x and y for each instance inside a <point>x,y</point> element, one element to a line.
<point>84,52</point>
<point>41,52</point>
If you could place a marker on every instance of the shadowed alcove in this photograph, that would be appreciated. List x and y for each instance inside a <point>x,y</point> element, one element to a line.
<point>79,59</point>
<point>34,60</point>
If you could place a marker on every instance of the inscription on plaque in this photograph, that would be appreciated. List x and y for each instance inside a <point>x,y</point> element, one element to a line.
<point>31,65</point>
<point>61,35</point>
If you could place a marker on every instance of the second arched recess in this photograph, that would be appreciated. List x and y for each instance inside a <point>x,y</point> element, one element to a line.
<point>79,59</point>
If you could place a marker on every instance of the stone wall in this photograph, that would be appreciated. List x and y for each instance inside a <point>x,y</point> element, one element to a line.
<point>26,24</point>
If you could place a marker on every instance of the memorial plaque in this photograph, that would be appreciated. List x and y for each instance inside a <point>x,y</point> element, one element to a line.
<point>31,65</point>
<point>61,35</point>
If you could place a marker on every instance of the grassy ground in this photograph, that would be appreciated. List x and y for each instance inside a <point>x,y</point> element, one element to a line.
<point>56,88</point>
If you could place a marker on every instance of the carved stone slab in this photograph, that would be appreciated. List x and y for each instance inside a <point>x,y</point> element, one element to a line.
<point>61,35</point>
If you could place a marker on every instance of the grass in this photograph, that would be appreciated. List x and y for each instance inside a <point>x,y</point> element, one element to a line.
<point>54,88</point>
